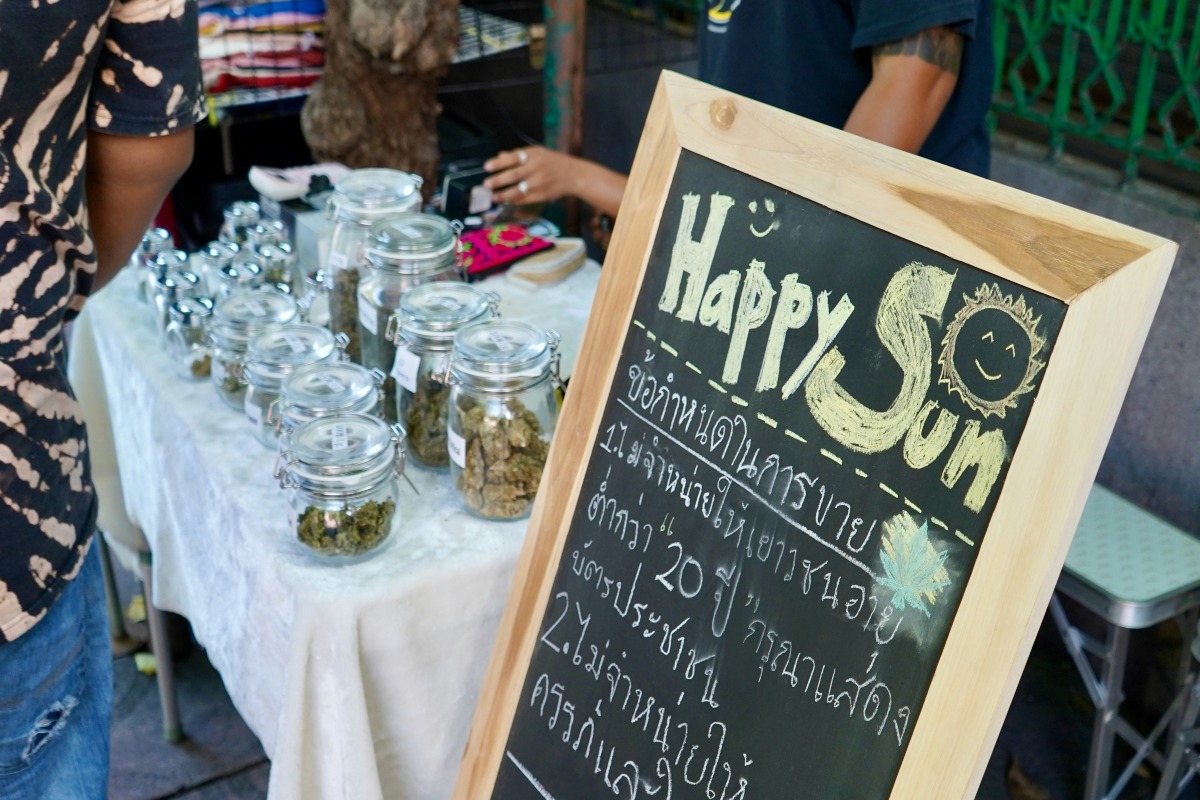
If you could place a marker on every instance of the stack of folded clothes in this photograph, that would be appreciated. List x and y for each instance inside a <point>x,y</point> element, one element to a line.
<point>264,47</point>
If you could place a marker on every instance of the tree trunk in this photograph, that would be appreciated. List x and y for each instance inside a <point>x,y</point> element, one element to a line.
<point>376,103</point>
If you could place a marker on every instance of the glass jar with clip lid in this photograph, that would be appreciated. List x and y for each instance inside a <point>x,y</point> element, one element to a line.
<point>153,242</point>
<point>170,286</point>
<point>402,252</point>
<point>328,388</point>
<point>357,202</point>
<point>504,377</point>
<point>423,334</point>
<point>187,340</point>
<point>342,477</point>
<point>236,319</point>
<point>274,353</point>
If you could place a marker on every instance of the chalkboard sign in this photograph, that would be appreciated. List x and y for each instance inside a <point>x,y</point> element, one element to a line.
<point>795,533</point>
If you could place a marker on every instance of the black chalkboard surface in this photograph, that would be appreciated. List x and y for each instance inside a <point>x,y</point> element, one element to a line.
<point>810,425</point>
<point>832,426</point>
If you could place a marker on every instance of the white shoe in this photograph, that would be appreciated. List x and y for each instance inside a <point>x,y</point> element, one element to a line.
<point>292,183</point>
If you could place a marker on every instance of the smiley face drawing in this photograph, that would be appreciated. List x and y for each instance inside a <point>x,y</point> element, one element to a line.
<point>990,351</point>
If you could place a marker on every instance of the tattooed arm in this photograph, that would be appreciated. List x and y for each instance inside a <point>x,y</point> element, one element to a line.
<point>127,179</point>
<point>911,83</point>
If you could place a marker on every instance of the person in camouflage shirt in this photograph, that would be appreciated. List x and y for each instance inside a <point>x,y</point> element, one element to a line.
<point>97,102</point>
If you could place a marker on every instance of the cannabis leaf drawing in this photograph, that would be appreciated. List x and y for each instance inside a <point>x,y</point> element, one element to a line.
<point>915,571</point>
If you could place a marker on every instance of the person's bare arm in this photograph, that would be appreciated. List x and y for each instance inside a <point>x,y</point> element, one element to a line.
<point>127,179</point>
<point>543,175</point>
<point>911,83</point>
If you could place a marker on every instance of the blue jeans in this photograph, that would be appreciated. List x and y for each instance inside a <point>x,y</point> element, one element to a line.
<point>56,698</point>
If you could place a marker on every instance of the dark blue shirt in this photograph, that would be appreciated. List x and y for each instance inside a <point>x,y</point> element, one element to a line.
<point>813,58</point>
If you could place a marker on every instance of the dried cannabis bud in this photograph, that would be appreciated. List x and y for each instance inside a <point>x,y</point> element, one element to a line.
<point>201,367</point>
<point>347,532</point>
<point>425,424</point>
<point>504,461</point>
<point>343,310</point>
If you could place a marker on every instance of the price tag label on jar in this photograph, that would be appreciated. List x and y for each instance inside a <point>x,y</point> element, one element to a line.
<point>339,438</point>
<point>405,368</point>
<point>457,446</point>
<point>368,316</point>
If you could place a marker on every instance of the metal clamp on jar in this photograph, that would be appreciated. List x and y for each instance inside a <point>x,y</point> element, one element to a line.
<point>342,478</point>
<point>273,354</point>
<point>187,340</point>
<point>325,389</point>
<point>358,201</point>
<point>503,409</point>
<point>236,320</point>
<point>402,252</point>
<point>422,334</point>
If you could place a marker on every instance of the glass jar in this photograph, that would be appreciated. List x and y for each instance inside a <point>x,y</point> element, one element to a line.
<point>278,265</point>
<point>243,274</point>
<point>236,319</point>
<point>187,337</point>
<point>423,333</point>
<point>267,231</point>
<point>239,217</point>
<point>503,409</point>
<point>153,242</point>
<point>321,390</point>
<point>211,259</point>
<point>155,267</point>
<point>342,478</point>
<point>274,353</point>
<point>169,287</point>
<point>358,201</point>
<point>401,252</point>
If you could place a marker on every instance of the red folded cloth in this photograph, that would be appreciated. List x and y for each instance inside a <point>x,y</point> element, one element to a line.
<point>489,249</point>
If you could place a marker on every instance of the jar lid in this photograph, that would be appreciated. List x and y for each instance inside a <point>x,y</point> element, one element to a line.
<point>322,389</point>
<point>191,312</point>
<point>501,348</point>
<point>278,350</point>
<point>243,212</point>
<point>273,255</point>
<point>432,313</point>
<point>410,237</point>
<point>173,282</point>
<point>366,194</point>
<point>217,254</point>
<point>255,308</point>
<point>333,449</point>
<point>267,231</point>
<point>165,261</point>
<point>155,240</point>
<point>240,273</point>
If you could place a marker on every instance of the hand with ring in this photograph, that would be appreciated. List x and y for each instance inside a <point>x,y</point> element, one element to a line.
<point>531,174</point>
<point>535,174</point>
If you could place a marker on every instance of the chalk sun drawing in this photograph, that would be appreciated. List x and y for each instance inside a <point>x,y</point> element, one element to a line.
<point>914,570</point>
<point>989,354</point>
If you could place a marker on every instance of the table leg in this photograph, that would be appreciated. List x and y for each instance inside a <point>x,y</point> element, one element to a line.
<point>1103,729</point>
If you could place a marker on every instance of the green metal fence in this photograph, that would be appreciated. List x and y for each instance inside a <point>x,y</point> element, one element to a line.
<point>1120,73</point>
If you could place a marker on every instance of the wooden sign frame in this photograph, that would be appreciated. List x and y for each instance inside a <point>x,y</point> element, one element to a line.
<point>1110,278</point>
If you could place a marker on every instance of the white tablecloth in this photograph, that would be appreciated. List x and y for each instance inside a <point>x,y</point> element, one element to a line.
<point>360,681</point>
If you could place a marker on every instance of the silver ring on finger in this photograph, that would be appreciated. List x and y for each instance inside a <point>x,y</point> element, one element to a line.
<point>522,156</point>
<point>523,187</point>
